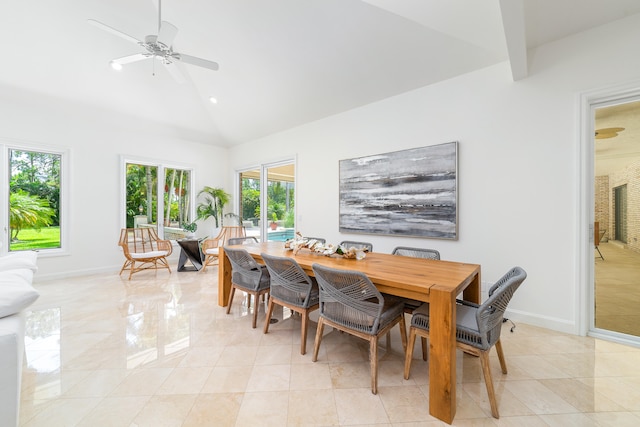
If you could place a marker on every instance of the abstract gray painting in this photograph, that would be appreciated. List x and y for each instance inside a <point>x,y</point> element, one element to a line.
<point>411,192</point>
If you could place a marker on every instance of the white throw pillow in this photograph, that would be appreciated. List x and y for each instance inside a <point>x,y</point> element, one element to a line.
<point>23,259</point>
<point>16,292</point>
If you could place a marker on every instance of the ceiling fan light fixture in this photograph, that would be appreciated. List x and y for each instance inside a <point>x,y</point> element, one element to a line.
<point>158,46</point>
<point>607,133</point>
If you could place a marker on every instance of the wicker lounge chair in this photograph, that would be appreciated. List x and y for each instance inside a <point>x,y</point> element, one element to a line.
<point>143,250</point>
<point>211,247</point>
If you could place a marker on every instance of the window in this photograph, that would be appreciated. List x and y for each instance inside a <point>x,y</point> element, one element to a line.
<point>170,212</point>
<point>34,199</point>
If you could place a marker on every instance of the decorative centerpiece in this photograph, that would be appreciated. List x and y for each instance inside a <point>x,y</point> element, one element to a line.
<point>325,249</point>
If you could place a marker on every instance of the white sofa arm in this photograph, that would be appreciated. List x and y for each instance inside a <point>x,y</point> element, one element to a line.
<point>11,354</point>
<point>16,294</point>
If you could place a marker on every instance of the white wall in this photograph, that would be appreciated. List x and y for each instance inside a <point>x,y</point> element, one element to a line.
<point>518,162</point>
<point>96,140</point>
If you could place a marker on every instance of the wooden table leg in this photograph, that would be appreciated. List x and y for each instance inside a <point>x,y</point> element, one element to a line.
<point>224,278</point>
<point>442,354</point>
<point>472,292</point>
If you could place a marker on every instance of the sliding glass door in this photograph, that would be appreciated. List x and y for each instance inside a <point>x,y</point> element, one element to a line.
<point>267,201</point>
<point>280,191</point>
<point>249,210</point>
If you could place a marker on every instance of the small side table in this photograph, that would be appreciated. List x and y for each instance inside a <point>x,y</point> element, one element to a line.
<point>190,250</point>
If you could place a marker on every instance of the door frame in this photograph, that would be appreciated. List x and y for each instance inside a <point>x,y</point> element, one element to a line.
<point>585,265</point>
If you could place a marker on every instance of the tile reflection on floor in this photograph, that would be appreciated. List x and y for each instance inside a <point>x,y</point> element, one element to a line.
<point>159,351</point>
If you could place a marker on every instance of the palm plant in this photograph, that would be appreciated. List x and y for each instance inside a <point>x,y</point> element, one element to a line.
<point>215,200</point>
<point>26,211</point>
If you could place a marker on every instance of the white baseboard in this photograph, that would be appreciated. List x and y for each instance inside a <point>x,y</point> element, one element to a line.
<point>553,323</point>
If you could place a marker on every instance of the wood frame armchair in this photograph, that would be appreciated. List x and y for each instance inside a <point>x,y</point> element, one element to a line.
<point>211,247</point>
<point>143,250</point>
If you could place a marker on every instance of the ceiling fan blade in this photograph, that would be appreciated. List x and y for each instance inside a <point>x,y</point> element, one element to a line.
<point>113,31</point>
<point>167,33</point>
<point>607,133</point>
<point>197,61</point>
<point>130,58</point>
<point>175,72</point>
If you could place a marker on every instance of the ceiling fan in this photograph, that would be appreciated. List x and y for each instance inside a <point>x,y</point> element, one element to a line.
<point>157,46</point>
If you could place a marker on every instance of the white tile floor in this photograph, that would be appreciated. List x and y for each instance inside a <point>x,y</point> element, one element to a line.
<point>159,351</point>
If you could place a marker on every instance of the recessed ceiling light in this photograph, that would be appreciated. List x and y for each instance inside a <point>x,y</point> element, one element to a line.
<point>213,100</point>
<point>115,65</point>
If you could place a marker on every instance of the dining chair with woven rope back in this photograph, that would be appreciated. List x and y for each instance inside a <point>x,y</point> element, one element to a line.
<point>416,252</point>
<point>242,240</point>
<point>291,287</point>
<point>248,276</point>
<point>350,302</point>
<point>319,239</point>
<point>358,245</point>
<point>247,240</point>
<point>477,327</point>
<point>410,304</point>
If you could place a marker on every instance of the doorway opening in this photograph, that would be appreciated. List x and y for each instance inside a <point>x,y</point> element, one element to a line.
<point>615,259</point>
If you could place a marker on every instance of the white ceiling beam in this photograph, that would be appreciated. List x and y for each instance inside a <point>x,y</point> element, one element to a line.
<point>514,31</point>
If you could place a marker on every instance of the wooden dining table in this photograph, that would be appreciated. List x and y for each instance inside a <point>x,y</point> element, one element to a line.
<point>434,281</point>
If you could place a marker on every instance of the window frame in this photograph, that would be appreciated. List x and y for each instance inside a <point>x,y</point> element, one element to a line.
<point>64,208</point>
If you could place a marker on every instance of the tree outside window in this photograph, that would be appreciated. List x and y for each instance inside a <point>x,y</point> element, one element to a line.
<point>34,200</point>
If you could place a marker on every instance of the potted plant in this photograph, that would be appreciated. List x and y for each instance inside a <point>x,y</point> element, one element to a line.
<point>190,228</point>
<point>214,202</point>
<point>274,218</point>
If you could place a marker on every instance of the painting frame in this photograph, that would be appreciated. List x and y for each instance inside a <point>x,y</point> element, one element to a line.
<point>412,192</point>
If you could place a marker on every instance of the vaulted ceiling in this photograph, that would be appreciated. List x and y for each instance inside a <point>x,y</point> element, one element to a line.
<point>283,63</point>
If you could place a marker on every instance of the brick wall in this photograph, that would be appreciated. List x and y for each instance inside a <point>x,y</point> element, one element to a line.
<point>602,195</point>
